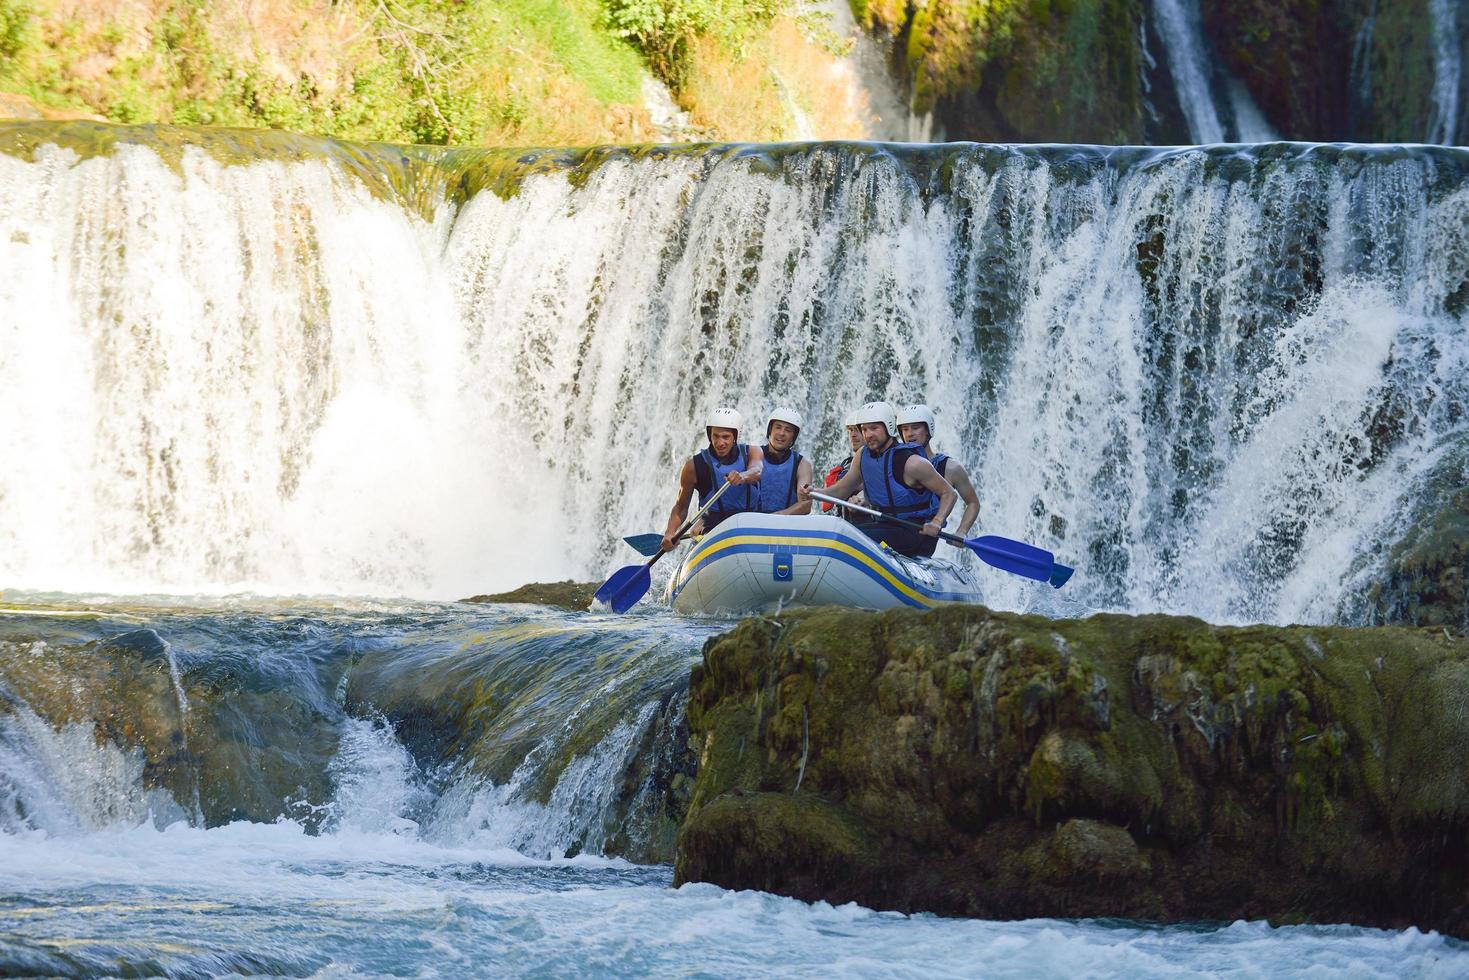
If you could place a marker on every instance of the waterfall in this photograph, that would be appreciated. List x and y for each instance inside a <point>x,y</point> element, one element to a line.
<point>500,728</point>
<point>1448,81</point>
<point>1188,61</point>
<point>1193,71</point>
<point>60,781</point>
<point>1218,381</point>
<point>866,67</point>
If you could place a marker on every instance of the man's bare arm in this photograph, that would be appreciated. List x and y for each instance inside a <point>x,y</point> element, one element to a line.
<point>843,488</point>
<point>754,466</point>
<point>920,471</point>
<point>960,481</point>
<point>803,478</point>
<point>680,512</point>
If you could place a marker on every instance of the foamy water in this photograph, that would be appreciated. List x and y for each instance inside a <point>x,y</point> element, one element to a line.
<point>431,868</point>
<point>1216,381</point>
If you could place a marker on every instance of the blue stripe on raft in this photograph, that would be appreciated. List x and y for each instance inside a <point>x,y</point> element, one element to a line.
<point>766,549</point>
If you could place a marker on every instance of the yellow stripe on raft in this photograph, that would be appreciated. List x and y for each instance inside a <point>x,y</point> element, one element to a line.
<point>830,544</point>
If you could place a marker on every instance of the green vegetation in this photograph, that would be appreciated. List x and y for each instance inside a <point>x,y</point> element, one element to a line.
<point>1062,70</point>
<point>464,72</point>
<point>423,71</point>
<point>985,764</point>
<point>666,30</point>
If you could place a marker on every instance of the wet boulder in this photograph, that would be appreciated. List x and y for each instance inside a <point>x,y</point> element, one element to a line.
<point>968,762</point>
<point>574,596</point>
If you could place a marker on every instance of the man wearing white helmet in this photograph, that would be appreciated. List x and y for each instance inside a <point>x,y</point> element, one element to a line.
<point>898,480</point>
<point>784,468</point>
<point>915,425</point>
<point>725,460</point>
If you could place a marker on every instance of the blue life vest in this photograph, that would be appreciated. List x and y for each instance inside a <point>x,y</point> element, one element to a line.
<point>940,463</point>
<point>709,474</point>
<point>777,488</point>
<point>882,484</point>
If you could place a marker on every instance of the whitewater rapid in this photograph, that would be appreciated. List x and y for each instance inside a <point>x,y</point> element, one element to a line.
<point>1217,381</point>
<point>386,854</point>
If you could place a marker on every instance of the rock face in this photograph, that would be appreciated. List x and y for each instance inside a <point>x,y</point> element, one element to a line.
<point>230,742</point>
<point>1335,69</point>
<point>1082,71</point>
<point>1006,71</point>
<point>985,764</point>
<point>575,596</point>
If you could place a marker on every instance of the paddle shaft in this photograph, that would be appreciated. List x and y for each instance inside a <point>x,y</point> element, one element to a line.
<point>692,520</point>
<point>817,495</point>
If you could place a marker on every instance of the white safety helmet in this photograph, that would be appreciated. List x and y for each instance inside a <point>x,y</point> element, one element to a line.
<point>724,418</point>
<point>851,418</point>
<point>787,415</point>
<point>877,412</point>
<point>913,414</point>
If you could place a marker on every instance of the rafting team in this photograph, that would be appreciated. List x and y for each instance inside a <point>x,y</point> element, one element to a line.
<point>892,469</point>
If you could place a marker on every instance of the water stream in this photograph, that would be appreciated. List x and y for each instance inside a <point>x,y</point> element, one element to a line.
<point>349,838</point>
<point>1219,381</point>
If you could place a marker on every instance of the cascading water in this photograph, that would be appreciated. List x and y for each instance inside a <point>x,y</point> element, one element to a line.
<point>395,788</point>
<point>1195,78</point>
<point>866,71</point>
<point>1448,80</point>
<point>1217,381</point>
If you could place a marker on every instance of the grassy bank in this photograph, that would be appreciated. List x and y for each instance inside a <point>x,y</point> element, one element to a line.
<point>483,72</point>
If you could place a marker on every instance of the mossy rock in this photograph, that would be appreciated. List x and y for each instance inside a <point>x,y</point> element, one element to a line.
<point>224,747</point>
<point>575,596</point>
<point>969,762</point>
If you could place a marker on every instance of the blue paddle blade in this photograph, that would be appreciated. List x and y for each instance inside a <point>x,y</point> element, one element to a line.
<point>635,588</point>
<point>1015,557</point>
<point>1060,575</point>
<point>646,545</point>
<point>626,586</point>
<point>615,582</point>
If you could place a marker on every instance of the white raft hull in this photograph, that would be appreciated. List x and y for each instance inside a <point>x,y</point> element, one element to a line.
<point>756,563</point>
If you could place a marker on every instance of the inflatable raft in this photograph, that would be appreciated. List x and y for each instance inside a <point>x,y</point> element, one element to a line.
<point>760,562</point>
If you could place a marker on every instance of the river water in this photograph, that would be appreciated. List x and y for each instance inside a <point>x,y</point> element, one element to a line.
<point>1219,381</point>
<point>348,851</point>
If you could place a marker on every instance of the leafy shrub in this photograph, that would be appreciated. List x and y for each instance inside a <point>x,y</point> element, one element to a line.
<point>666,29</point>
<point>16,17</point>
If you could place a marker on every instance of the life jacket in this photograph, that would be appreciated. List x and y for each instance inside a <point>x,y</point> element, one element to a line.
<point>940,462</point>
<point>882,484</point>
<point>834,474</point>
<point>709,474</point>
<point>777,487</point>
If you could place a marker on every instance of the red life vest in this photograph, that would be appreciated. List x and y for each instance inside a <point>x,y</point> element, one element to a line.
<point>833,475</point>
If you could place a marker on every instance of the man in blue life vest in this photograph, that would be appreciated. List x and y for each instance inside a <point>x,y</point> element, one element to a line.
<point>785,469</point>
<point>898,480</point>
<point>915,425</point>
<point>726,460</point>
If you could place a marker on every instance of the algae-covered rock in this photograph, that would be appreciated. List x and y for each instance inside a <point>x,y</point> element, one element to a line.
<point>224,742</point>
<point>571,595</point>
<point>1339,69</point>
<point>1039,71</point>
<point>976,763</point>
<point>1427,583</point>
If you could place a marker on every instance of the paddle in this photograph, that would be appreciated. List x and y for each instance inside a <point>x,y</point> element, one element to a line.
<point>628,584</point>
<point>1011,556</point>
<point>646,545</point>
